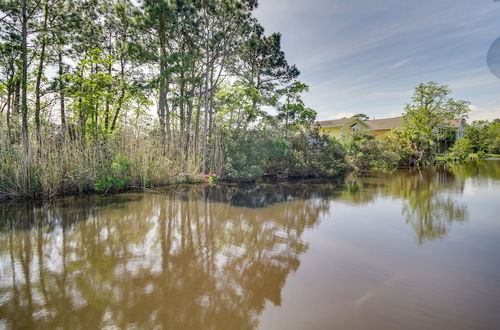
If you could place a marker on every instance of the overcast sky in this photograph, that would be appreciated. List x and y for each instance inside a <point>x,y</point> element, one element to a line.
<point>366,56</point>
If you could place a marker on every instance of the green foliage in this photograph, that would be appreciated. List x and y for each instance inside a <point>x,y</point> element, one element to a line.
<point>397,141</point>
<point>93,86</point>
<point>460,151</point>
<point>431,108</point>
<point>493,139</point>
<point>211,179</point>
<point>246,154</point>
<point>118,177</point>
<point>365,152</point>
<point>318,156</point>
<point>484,136</point>
<point>267,153</point>
<point>268,65</point>
<point>293,112</point>
<point>361,116</point>
<point>494,147</point>
<point>235,105</point>
<point>476,132</point>
<point>227,101</point>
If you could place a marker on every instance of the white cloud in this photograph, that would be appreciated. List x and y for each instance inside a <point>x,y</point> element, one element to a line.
<point>483,113</point>
<point>366,56</point>
<point>401,63</point>
<point>341,115</point>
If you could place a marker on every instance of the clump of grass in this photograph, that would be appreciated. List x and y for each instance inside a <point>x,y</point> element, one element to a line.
<point>68,165</point>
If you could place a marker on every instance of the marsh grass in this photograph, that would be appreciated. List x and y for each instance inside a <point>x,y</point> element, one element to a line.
<point>68,165</point>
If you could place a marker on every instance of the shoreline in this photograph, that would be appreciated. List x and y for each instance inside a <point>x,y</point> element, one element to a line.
<point>159,189</point>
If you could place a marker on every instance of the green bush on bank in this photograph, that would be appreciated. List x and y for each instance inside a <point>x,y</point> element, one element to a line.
<point>484,136</point>
<point>118,177</point>
<point>494,147</point>
<point>256,154</point>
<point>365,152</point>
<point>123,161</point>
<point>460,151</point>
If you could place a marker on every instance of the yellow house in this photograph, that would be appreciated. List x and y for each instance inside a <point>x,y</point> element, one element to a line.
<point>338,127</point>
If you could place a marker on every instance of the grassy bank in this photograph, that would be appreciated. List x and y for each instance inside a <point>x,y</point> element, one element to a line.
<point>444,158</point>
<point>64,166</point>
<point>127,161</point>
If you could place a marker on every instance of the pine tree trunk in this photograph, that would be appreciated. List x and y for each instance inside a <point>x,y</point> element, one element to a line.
<point>187,133</point>
<point>205,122</point>
<point>9,101</point>
<point>61,92</point>
<point>39,76</point>
<point>24,75</point>
<point>162,92</point>
<point>122,95</point>
<point>197,127</point>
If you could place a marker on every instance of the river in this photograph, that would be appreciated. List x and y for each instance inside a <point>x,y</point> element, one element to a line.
<point>414,249</point>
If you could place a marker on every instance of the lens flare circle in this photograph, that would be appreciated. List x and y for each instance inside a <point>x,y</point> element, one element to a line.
<point>494,58</point>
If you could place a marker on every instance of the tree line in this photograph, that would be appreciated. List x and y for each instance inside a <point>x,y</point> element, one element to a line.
<point>100,58</point>
<point>185,75</point>
<point>100,95</point>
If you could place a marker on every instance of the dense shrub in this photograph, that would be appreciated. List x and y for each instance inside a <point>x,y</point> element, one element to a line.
<point>118,176</point>
<point>494,146</point>
<point>317,155</point>
<point>258,153</point>
<point>246,154</point>
<point>460,151</point>
<point>484,136</point>
<point>365,152</point>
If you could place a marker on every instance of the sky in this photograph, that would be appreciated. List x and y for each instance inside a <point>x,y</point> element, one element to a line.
<point>367,56</point>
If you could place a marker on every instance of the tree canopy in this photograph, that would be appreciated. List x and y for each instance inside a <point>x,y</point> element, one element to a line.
<point>159,86</point>
<point>431,108</point>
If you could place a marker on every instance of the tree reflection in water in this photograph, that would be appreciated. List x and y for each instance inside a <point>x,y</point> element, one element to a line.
<point>428,203</point>
<point>185,261</point>
<point>481,170</point>
<point>196,258</point>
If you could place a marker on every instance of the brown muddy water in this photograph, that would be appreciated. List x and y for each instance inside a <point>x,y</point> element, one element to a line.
<point>408,250</point>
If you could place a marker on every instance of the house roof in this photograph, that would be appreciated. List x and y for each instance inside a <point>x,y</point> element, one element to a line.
<point>386,123</point>
<point>379,124</point>
<point>455,123</point>
<point>336,122</point>
<point>374,124</point>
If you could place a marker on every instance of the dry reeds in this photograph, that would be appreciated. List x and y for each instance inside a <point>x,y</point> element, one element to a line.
<point>66,165</point>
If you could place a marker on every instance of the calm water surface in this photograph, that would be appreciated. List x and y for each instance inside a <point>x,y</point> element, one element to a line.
<point>408,250</point>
